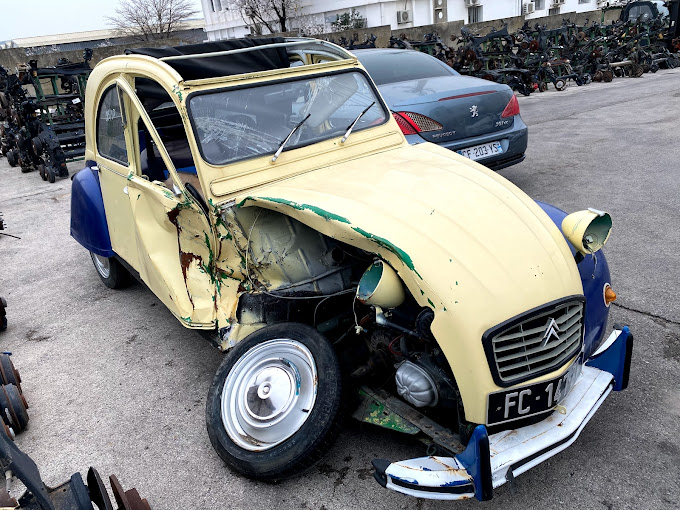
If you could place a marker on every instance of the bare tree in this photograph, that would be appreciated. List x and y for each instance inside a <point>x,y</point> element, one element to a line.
<point>150,19</point>
<point>274,15</point>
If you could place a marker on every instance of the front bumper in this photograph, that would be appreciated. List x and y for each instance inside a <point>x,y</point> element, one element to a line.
<point>490,461</point>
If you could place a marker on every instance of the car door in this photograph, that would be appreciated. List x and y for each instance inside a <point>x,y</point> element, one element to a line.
<point>114,168</point>
<point>173,234</point>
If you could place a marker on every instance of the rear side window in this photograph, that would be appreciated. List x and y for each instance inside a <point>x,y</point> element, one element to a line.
<point>387,67</point>
<point>111,128</point>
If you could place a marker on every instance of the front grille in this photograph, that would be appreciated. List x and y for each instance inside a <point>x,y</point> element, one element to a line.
<point>547,338</point>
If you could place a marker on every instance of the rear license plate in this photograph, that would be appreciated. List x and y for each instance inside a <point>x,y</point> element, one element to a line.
<point>482,151</point>
<point>508,405</point>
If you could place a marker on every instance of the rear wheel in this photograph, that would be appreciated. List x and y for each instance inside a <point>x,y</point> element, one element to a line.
<point>111,272</point>
<point>274,405</point>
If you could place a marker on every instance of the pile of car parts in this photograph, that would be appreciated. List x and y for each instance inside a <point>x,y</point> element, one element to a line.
<point>532,58</point>
<point>74,494</point>
<point>41,110</point>
<point>13,404</point>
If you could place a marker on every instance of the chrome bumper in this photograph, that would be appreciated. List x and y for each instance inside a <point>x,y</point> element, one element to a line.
<point>490,461</point>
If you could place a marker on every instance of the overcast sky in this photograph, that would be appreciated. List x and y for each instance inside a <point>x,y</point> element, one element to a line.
<point>28,18</point>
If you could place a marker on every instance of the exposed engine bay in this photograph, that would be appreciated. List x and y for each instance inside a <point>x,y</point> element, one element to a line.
<point>381,335</point>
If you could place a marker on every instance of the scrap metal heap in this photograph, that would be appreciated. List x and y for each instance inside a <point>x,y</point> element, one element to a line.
<point>41,114</point>
<point>532,58</point>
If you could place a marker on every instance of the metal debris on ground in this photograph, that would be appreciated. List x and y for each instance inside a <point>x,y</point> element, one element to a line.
<point>75,494</point>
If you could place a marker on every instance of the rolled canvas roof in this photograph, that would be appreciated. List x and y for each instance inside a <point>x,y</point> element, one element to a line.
<point>221,65</point>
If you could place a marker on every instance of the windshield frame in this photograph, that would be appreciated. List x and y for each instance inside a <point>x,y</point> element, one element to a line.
<point>379,101</point>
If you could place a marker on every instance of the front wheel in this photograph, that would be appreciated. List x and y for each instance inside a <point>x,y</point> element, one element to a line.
<point>111,272</point>
<point>274,405</point>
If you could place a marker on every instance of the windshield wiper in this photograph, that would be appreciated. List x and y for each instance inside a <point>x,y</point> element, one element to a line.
<point>351,126</point>
<point>285,140</point>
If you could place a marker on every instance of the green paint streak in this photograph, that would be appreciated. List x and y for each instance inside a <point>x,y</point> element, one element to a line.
<point>186,319</point>
<point>302,207</point>
<point>381,241</point>
<point>422,292</point>
<point>444,308</point>
<point>377,413</point>
<point>431,303</point>
<point>456,282</point>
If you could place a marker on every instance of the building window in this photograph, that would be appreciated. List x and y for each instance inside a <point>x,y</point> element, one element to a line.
<point>475,14</point>
<point>584,1</point>
<point>539,5</point>
<point>554,11</point>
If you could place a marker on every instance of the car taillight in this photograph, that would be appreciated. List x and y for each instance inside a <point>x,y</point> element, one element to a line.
<point>512,109</point>
<point>412,123</point>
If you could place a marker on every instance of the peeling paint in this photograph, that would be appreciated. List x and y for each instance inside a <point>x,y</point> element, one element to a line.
<point>381,241</point>
<point>302,207</point>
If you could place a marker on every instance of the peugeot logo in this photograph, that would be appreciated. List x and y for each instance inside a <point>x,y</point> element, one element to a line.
<point>551,330</point>
<point>473,111</point>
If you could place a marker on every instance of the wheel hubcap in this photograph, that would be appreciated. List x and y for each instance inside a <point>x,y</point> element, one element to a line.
<point>269,394</point>
<point>102,264</point>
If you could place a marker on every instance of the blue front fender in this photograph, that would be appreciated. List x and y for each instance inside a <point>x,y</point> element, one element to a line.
<point>594,273</point>
<point>88,218</point>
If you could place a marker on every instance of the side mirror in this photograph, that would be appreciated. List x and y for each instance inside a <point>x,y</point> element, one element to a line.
<point>587,230</point>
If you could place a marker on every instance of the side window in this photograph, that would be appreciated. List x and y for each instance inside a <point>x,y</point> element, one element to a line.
<point>167,121</point>
<point>111,128</point>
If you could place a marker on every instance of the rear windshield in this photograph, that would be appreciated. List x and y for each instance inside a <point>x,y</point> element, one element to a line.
<point>388,67</point>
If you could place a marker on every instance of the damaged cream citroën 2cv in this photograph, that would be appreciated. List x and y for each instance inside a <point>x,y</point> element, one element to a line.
<point>262,190</point>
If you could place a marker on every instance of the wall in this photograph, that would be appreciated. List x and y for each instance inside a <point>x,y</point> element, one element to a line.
<point>451,30</point>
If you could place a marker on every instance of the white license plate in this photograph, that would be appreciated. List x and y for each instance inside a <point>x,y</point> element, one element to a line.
<point>509,405</point>
<point>482,151</point>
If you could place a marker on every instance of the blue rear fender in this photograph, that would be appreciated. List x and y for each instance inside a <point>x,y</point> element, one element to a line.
<point>594,273</point>
<point>88,218</point>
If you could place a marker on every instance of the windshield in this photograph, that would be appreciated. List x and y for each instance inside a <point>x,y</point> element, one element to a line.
<point>233,125</point>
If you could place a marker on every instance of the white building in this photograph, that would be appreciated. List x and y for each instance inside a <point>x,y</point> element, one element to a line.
<point>224,23</point>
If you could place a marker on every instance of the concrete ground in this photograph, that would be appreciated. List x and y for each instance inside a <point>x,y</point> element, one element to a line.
<point>114,381</point>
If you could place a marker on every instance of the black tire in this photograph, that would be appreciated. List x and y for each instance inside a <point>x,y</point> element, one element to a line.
<point>37,145</point>
<point>309,440</point>
<point>111,272</point>
<point>8,373</point>
<point>51,174</point>
<point>42,171</point>
<point>11,158</point>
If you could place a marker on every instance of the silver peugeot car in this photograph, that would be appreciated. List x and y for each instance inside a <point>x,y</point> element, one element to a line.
<point>433,103</point>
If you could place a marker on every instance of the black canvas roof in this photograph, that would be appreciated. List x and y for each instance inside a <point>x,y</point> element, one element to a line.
<point>221,65</point>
